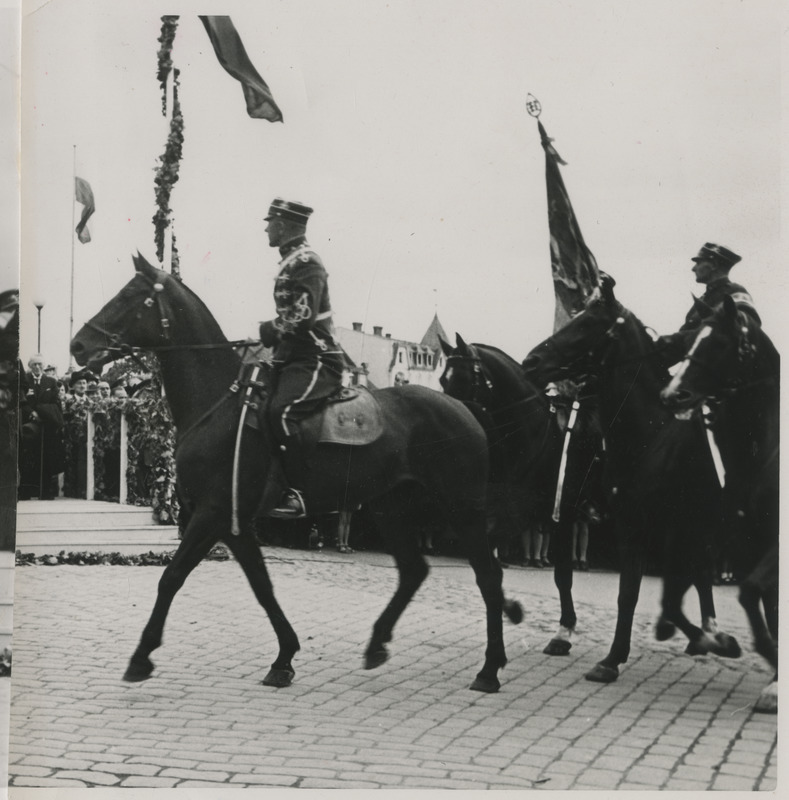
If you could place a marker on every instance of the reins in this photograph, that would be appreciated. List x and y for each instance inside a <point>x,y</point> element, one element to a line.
<point>117,345</point>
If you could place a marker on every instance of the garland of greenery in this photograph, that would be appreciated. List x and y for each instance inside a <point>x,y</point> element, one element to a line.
<point>167,173</point>
<point>151,472</point>
<point>218,552</point>
<point>165,61</point>
<point>150,476</point>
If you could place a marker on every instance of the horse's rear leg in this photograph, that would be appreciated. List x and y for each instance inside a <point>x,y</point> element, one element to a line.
<point>200,536</point>
<point>762,586</point>
<point>399,530</point>
<point>248,555</point>
<point>563,578</point>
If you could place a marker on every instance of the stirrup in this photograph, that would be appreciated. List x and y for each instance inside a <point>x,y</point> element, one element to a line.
<point>291,507</point>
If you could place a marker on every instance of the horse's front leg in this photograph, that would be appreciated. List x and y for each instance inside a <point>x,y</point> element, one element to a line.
<point>563,578</point>
<point>712,640</point>
<point>200,536</point>
<point>607,670</point>
<point>675,586</point>
<point>488,573</point>
<point>247,553</point>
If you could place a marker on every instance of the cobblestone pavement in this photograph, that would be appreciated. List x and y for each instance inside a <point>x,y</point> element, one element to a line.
<point>670,722</point>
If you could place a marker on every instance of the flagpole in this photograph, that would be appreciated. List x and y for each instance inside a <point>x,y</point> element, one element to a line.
<point>73,213</point>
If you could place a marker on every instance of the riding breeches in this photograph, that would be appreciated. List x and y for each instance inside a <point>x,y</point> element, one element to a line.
<point>301,387</point>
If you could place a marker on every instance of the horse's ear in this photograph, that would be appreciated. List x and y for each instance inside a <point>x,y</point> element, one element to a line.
<point>461,345</point>
<point>730,307</point>
<point>141,265</point>
<point>607,284</point>
<point>702,309</point>
<point>445,346</point>
<point>731,314</point>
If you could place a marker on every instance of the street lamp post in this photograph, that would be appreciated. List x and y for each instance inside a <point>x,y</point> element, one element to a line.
<point>39,305</point>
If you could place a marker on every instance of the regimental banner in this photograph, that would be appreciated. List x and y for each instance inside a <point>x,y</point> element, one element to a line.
<point>574,268</point>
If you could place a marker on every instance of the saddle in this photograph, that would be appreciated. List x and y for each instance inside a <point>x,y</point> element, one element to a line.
<point>349,417</point>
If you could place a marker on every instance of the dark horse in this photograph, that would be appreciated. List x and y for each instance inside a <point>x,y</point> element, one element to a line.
<point>525,446</point>
<point>733,366</point>
<point>664,484</point>
<point>431,446</point>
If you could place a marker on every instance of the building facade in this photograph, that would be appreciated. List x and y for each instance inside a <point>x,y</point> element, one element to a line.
<point>379,360</point>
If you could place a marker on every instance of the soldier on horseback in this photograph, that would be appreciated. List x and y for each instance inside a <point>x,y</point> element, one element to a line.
<point>711,268</point>
<point>307,359</point>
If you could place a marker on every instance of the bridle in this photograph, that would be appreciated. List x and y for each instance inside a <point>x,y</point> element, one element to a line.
<point>480,382</point>
<point>600,350</point>
<point>156,297</point>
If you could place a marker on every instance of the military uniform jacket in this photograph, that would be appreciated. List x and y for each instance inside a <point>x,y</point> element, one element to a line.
<point>675,345</point>
<point>303,326</point>
<point>713,297</point>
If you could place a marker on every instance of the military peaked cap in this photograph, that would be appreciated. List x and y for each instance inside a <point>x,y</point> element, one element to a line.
<point>285,209</point>
<point>715,252</point>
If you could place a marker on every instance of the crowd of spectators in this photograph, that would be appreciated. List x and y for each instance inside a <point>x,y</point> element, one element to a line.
<point>54,411</point>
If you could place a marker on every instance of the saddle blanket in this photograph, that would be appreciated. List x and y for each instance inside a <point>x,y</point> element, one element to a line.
<point>352,418</point>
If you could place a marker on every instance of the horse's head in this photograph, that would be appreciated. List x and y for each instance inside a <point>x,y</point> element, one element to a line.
<point>721,354</point>
<point>464,375</point>
<point>580,348</point>
<point>138,316</point>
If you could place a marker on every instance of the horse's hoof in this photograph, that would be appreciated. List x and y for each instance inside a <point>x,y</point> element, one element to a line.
<point>139,669</point>
<point>514,611</point>
<point>279,678</point>
<point>557,647</point>
<point>485,684</point>
<point>664,629</point>
<point>727,646</point>
<point>768,700</point>
<point>695,649</point>
<point>374,658</point>
<point>600,673</point>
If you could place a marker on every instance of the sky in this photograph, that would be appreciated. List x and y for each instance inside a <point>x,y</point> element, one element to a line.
<point>405,129</point>
<point>9,146</point>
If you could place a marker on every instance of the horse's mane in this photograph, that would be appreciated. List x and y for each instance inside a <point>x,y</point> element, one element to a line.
<point>207,317</point>
<point>647,348</point>
<point>489,348</point>
<point>509,363</point>
<point>773,357</point>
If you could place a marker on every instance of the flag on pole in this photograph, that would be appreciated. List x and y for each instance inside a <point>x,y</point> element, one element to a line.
<point>233,57</point>
<point>574,268</point>
<point>84,195</point>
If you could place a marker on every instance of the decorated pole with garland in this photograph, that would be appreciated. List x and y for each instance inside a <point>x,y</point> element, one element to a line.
<point>170,161</point>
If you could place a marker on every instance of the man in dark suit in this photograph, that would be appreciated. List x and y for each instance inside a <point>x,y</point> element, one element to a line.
<point>41,457</point>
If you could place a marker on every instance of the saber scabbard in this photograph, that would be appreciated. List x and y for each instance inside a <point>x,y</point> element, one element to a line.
<point>557,504</point>
<point>235,528</point>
